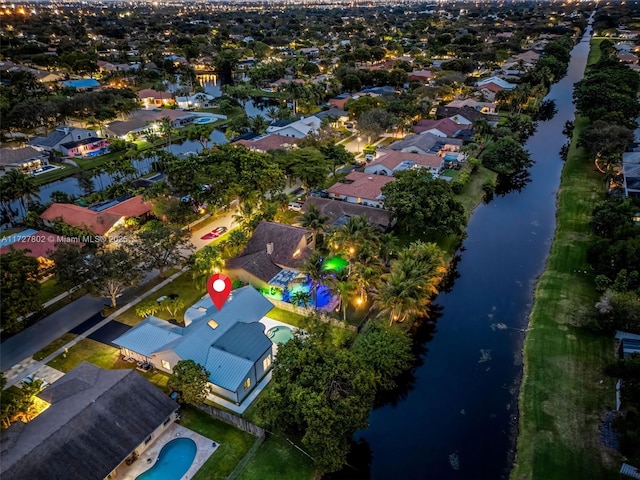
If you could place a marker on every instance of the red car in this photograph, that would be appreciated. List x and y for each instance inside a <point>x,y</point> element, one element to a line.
<point>215,233</point>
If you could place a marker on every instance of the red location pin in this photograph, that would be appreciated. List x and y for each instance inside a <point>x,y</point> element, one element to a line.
<point>219,288</point>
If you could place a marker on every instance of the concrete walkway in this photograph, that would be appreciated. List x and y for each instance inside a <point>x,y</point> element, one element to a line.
<point>29,366</point>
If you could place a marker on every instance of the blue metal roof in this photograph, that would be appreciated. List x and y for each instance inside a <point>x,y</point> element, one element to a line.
<point>197,341</point>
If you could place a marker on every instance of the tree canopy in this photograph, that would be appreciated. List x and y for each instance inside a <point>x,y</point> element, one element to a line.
<point>191,381</point>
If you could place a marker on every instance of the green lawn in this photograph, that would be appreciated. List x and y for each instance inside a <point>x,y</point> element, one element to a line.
<point>103,356</point>
<point>234,443</point>
<point>183,286</point>
<point>473,193</point>
<point>50,289</point>
<point>53,346</point>
<point>277,459</point>
<point>286,316</point>
<point>564,392</point>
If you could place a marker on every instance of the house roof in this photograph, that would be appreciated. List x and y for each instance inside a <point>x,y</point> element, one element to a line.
<point>269,142</point>
<point>392,159</point>
<point>285,239</point>
<point>426,142</point>
<point>445,125</point>
<point>151,93</point>
<point>470,102</point>
<point>257,264</point>
<point>362,185</point>
<point>332,112</point>
<point>244,340</point>
<point>335,210</point>
<point>96,419</point>
<point>120,127</point>
<point>46,244</point>
<point>96,222</point>
<point>467,112</point>
<point>198,341</point>
<point>421,74</point>
<point>17,156</point>
<point>84,141</point>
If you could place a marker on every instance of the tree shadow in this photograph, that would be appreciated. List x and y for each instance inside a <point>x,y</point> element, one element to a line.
<point>512,183</point>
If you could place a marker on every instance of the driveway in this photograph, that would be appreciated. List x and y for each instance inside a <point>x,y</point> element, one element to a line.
<point>32,339</point>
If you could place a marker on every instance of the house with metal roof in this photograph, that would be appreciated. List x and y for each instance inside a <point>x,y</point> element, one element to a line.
<point>230,343</point>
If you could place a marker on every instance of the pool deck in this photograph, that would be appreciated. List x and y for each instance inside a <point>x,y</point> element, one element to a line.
<point>148,458</point>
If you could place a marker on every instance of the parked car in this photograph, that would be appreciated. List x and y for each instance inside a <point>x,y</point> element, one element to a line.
<point>295,206</point>
<point>319,193</point>
<point>369,157</point>
<point>215,233</point>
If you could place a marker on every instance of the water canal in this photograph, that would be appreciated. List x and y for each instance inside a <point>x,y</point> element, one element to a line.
<point>454,418</point>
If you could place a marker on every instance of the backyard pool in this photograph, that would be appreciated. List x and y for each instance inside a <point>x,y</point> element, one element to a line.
<point>280,334</point>
<point>324,295</point>
<point>45,168</point>
<point>173,462</point>
<point>451,157</point>
<point>203,120</point>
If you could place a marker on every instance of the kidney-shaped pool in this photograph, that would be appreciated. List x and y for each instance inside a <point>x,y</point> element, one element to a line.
<point>173,462</point>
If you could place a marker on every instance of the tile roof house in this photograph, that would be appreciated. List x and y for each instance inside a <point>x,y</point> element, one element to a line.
<point>391,161</point>
<point>483,107</point>
<point>460,115</point>
<point>38,245</point>
<point>151,97</point>
<point>266,143</point>
<point>230,343</point>
<point>420,76</point>
<point>26,160</point>
<point>427,143</point>
<point>503,84</point>
<point>340,212</point>
<point>97,420</point>
<point>99,220</point>
<point>360,188</point>
<point>444,127</point>
<point>273,247</point>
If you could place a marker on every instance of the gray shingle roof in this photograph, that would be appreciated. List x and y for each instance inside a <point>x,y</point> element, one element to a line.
<point>285,239</point>
<point>97,418</point>
<point>257,264</point>
<point>10,156</point>
<point>335,210</point>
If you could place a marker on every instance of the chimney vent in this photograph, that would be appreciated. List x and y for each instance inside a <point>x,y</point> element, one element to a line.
<point>269,248</point>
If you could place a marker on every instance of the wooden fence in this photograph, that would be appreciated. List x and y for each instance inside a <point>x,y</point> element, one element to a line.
<point>233,420</point>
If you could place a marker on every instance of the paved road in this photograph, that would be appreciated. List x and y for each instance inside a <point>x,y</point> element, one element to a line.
<point>32,339</point>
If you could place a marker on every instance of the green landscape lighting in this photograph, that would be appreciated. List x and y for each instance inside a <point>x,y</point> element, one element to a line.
<point>335,264</point>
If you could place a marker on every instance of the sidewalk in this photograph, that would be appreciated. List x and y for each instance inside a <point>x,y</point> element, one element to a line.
<point>29,366</point>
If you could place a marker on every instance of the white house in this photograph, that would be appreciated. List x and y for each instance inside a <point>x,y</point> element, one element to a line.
<point>195,101</point>
<point>298,129</point>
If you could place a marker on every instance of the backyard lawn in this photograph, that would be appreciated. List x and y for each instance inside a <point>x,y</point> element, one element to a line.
<point>103,356</point>
<point>277,459</point>
<point>234,443</point>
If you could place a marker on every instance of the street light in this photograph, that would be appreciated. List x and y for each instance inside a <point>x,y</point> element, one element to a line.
<point>359,144</point>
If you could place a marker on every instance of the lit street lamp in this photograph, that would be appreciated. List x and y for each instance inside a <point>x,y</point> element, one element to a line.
<point>359,144</point>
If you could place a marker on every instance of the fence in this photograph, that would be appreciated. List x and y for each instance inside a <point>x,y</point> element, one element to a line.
<point>232,419</point>
<point>239,468</point>
<point>306,312</point>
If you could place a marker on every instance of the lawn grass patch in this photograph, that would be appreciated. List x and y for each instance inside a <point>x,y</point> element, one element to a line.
<point>53,346</point>
<point>286,317</point>
<point>104,356</point>
<point>564,391</point>
<point>277,459</point>
<point>50,289</point>
<point>234,443</point>
<point>473,193</point>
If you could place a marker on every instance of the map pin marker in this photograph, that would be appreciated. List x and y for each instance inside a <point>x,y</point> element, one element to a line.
<point>219,288</point>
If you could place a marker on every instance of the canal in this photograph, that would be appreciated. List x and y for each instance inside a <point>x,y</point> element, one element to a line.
<point>454,419</point>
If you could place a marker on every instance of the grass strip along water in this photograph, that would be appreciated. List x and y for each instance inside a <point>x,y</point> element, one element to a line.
<point>564,391</point>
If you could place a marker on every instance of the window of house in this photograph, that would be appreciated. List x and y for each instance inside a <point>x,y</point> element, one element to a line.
<point>266,363</point>
<point>166,365</point>
<point>247,383</point>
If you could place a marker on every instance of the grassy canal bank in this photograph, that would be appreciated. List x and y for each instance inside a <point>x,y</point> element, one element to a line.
<point>564,391</point>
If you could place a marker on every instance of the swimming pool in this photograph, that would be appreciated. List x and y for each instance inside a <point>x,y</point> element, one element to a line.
<point>280,334</point>
<point>324,294</point>
<point>451,157</point>
<point>173,462</point>
<point>203,120</point>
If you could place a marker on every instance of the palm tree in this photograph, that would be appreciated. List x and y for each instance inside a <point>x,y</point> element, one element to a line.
<point>205,263</point>
<point>353,235</point>
<point>315,271</point>
<point>236,240</point>
<point>399,297</point>
<point>246,215</point>
<point>314,220</point>
<point>166,129</point>
<point>147,308</point>
<point>259,124</point>
<point>25,188</point>
<point>272,113</point>
<point>343,287</point>
<point>301,298</point>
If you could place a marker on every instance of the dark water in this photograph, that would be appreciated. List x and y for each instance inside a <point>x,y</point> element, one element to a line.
<point>455,420</point>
